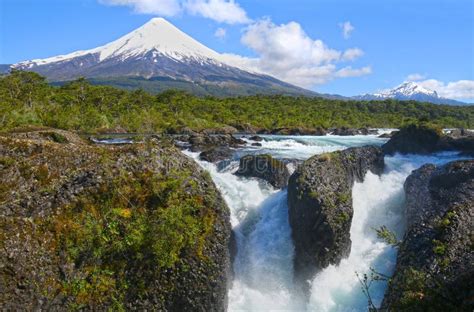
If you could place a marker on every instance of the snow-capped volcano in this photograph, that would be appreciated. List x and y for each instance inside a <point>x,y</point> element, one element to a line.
<point>410,91</point>
<point>159,56</point>
<point>407,90</point>
<point>157,36</point>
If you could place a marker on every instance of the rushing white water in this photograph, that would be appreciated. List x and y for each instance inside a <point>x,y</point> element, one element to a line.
<point>259,215</point>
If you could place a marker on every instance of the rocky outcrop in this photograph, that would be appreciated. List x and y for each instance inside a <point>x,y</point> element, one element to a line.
<point>435,263</point>
<point>216,154</point>
<point>320,206</point>
<point>414,139</point>
<point>264,167</point>
<point>201,142</point>
<point>256,138</point>
<point>296,131</point>
<point>84,227</point>
<point>344,131</point>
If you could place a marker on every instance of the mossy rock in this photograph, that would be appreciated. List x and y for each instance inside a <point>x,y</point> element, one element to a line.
<point>108,227</point>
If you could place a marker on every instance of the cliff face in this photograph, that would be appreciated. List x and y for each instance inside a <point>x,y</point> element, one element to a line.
<point>435,270</point>
<point>320,206</point>
<point>95,227</point>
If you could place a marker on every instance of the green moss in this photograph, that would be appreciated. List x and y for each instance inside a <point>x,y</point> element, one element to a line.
<point>439,248</point>
<point>342,218</point>
<point>344,198</point>
<point>314,195</point>
<point>6,161</point>
<point>55,137</point>
<point>326,157</point>
<point>446,220</point>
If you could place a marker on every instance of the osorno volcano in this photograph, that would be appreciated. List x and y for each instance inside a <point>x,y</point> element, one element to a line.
<point>158,56</point>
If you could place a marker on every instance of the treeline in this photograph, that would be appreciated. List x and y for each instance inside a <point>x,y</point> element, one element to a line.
<point>27,99</point>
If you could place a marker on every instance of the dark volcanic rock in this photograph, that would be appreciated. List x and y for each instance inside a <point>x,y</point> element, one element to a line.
<point>320,206</point>
<point>264,167</point>
<point>414,139</point>
<point>257,144</point>
<point>246,128</point>
<point>256,138</point>
<point>201,142</point>
<point>216,154</point>
<point>295,131</point>
<point>96,228</point>
<point>421,139</point>
<point>344,131</point>
<point>435,263</point>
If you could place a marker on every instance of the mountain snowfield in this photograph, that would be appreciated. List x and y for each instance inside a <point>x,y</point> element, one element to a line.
<point>157,36</point>
<point>410,91</point>
<point>159,56</point>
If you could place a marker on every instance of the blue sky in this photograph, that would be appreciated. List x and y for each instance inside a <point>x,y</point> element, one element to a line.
<point>390,39</point>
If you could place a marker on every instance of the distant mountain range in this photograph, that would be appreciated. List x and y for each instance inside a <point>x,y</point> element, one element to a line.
<point>410,91</point>
<point>158,56</point>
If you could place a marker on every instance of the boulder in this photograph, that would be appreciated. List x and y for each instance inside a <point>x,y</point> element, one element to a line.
<point>264,167</point>
<point>257,144</point>
<point>320,206</point>
<point>435,262</point>
<point>256,138</point>
<point>96,228</point>
<point>319,131</point>
<point>414,139</point>
<point>246,128</point>
<point>201,142</point>
<point>344,131</point>
<point>421,139</point>
<point>216,154</point>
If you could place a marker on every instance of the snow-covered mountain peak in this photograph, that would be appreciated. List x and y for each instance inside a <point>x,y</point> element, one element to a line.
<point>158,36</point>
<point>407,89</point>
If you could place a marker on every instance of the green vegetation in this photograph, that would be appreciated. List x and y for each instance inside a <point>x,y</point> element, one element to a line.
<point>55,137</point>
<point>139,220</point>
<point>387,236</point>
<point>27,99</point>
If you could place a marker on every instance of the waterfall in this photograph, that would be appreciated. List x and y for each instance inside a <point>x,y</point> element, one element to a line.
<point>259,215</point>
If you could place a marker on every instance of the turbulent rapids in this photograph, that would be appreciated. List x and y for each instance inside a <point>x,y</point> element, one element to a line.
<point>263,266</point>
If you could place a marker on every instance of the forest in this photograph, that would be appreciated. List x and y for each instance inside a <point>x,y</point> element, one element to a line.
<point>26,98</point>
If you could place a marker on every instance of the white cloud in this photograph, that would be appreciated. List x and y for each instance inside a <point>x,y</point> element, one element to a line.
<point>220,33</point>
<point>462,89</point>
<point>415,77</point>
<point>352,54</point>
<point>347,29</point>
<point>158,7</point>
<point>223,11</point>
<point>351,72</point>
<point>288,53</point>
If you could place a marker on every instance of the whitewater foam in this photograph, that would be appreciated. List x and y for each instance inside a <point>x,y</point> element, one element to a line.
<point>259,215</point>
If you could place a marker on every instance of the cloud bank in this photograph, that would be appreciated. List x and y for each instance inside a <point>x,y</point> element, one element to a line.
<point>286,52</point>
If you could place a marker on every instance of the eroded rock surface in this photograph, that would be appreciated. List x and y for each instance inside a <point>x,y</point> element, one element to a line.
<point>435,263</point>
<point>264,167</point>
<point>320,206</point>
